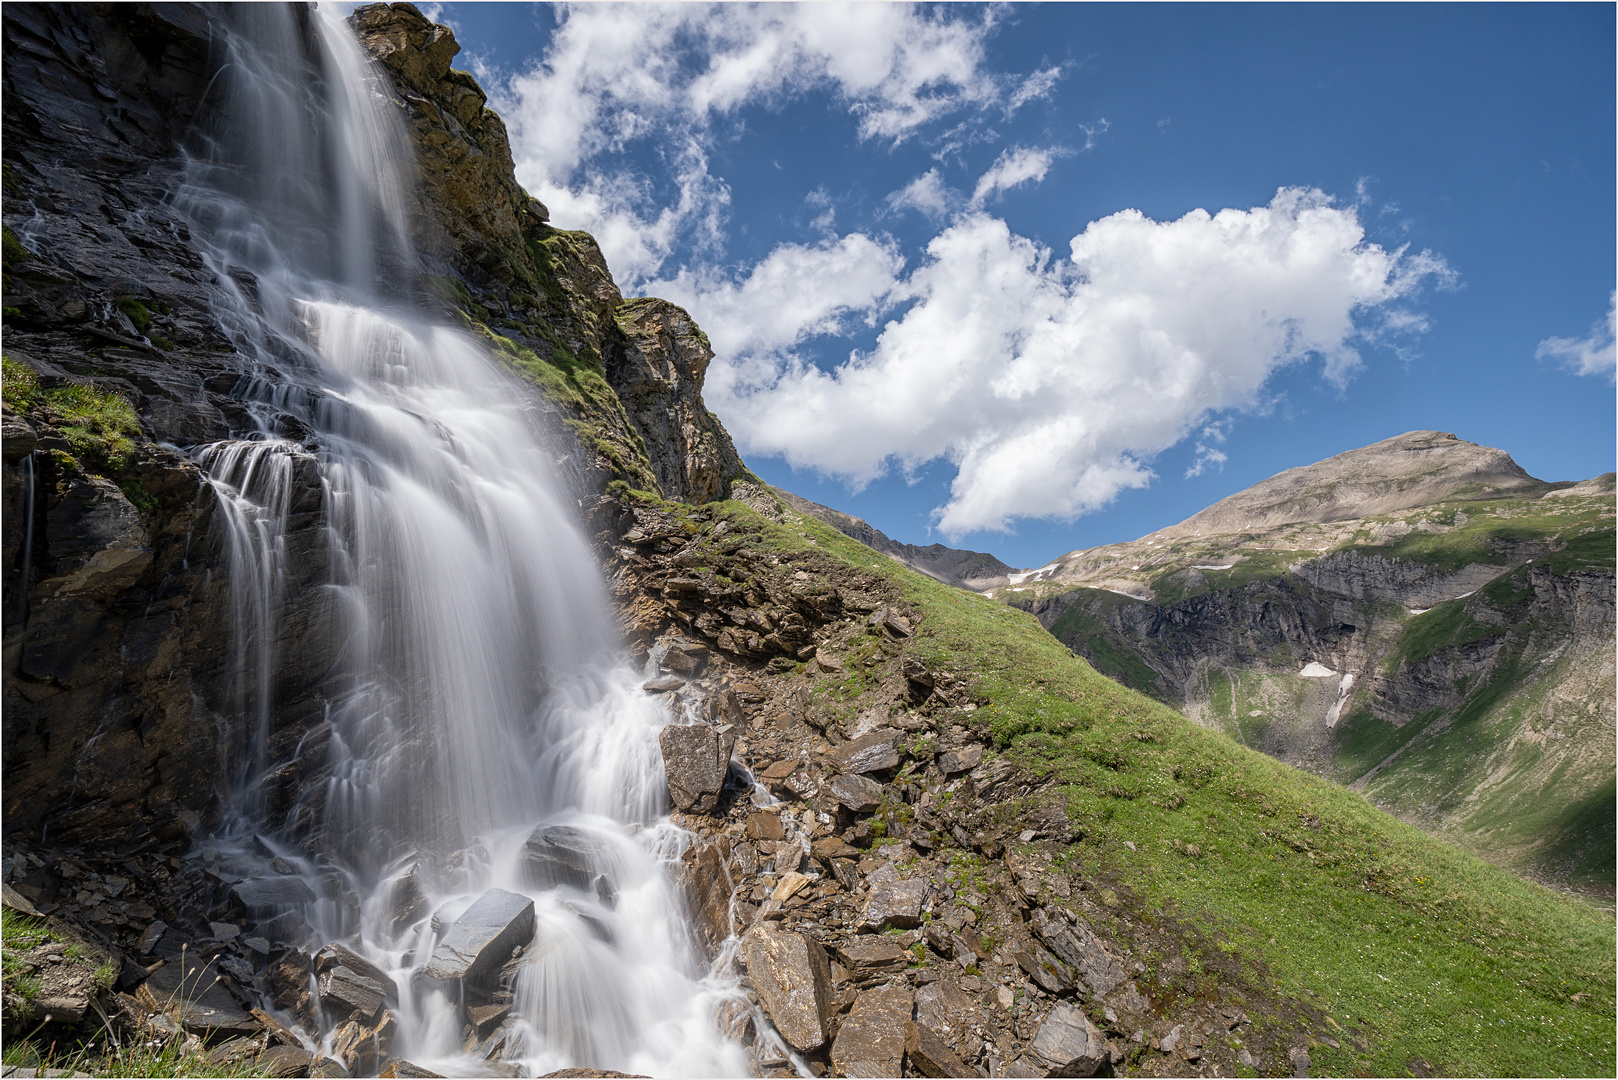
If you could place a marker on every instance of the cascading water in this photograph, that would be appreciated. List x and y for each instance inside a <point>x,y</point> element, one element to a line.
<point>479,692</point>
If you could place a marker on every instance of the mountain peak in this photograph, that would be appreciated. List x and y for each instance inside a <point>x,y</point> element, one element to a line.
<point>1418,468</point>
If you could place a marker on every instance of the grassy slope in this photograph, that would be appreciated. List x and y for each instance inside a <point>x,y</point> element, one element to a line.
<point>1424,953</point>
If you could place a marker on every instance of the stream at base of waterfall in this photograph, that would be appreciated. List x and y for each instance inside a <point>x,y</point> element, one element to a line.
<point>487,887</point>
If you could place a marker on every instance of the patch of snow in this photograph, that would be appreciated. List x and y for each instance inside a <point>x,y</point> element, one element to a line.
<point>1334,713</point>
<point>1418,610</point>
<point>1132,596</point>
<point>1023,575</point>
<point>1464,595</point>
<point>1226,566</point>
<point>1312,670</point>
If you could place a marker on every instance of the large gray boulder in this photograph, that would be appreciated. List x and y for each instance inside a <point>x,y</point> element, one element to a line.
<point>871,1039</point>
<point>695,760</point>
<point>1068,1043</point>
<point>563,855</point>
<point>792,977</point>
<point>480,941</point>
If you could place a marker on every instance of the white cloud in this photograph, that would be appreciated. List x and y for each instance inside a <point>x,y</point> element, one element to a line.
<point>797,292</point>
<point>926,193</point>
<point>1013,167</point>
<point>1594,354</point>
<point>620,76</point>
<point>1050,383</point>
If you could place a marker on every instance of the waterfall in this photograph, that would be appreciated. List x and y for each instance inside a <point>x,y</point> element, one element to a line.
<point>480,690</point>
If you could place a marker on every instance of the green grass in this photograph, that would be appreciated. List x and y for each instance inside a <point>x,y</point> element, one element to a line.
<point>166,1057</point>
<point>1443,626</point>
<point>1492,527</point>
<point>101,427</point>
<point>1413,946</point>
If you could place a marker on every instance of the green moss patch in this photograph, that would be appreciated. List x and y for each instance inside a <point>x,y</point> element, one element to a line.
<point>101,427</point>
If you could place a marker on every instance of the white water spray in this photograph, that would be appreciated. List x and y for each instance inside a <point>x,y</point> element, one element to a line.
<point>479,691</point>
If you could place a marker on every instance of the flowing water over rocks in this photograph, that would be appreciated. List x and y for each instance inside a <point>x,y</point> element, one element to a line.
<point>483,877</point>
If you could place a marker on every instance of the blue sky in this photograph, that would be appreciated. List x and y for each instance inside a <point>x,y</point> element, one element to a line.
<point>1408,223</point>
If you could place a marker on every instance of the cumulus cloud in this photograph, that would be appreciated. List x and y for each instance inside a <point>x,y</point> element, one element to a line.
<point>1594,354</point>
<point>616,76</point>
<point>799,291</point>
<point>1050,383</point>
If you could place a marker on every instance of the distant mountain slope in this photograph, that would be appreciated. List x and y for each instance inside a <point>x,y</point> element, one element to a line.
<point>1419,619</point>
<point>973,570</point>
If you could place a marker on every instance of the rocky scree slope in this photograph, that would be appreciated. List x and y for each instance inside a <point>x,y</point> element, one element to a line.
<point>1420,620</point>
<point>985,857</point>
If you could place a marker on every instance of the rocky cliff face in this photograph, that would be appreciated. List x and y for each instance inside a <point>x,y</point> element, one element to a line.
<point>1420,654</point>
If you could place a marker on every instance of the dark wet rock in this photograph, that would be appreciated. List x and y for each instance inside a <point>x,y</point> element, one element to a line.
<point>283,1061</point>
<point>337,954</point>
<point>695,760</point>
<point>345,992</point>
<point>400,1069</point>
<point>705,885</point>
<point>563,855</point>
<point>481,940</point>
<point>406,901</point>
<point>360,1046</point>
<point>871,1039</point>
<point>895,904</point>
<point>869,753</point>
<point>860,794</point>
<point>792,976</point>
<point>927,1054</point>
<point>1068,1043</point>
<point>260,894</point>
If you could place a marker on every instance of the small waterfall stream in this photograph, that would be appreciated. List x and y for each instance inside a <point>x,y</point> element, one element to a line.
<point>480,692</point>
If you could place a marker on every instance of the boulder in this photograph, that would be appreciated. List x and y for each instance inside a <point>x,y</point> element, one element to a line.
<point>562,855</point>
<point>1044,968</point>
<point>259,894</point>
<point>929,1055</point>
<point>895,904</point>
<point>347,993</point>
<point>946,1009</point>
<point>867,957</point>
<point>965,759</point>
<point>792,977</point>
<point>1078,946</point>
<point>695,760</point>
<point>662,684</point>
<point>833,847</point>
<point>871,1039</point>
<point>406,901</point>
<point>1068,1043</point>
<point>281,1061</point>
<point>337,954</point>
<point>400,1069</point>
<point>705,885</point>
<point>860,794</point>
<point>869,753</point>
<point>480,941</point>
<point>764,827</point>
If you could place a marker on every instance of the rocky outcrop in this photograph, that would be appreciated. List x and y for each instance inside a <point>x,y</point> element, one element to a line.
<point>657,370</point>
